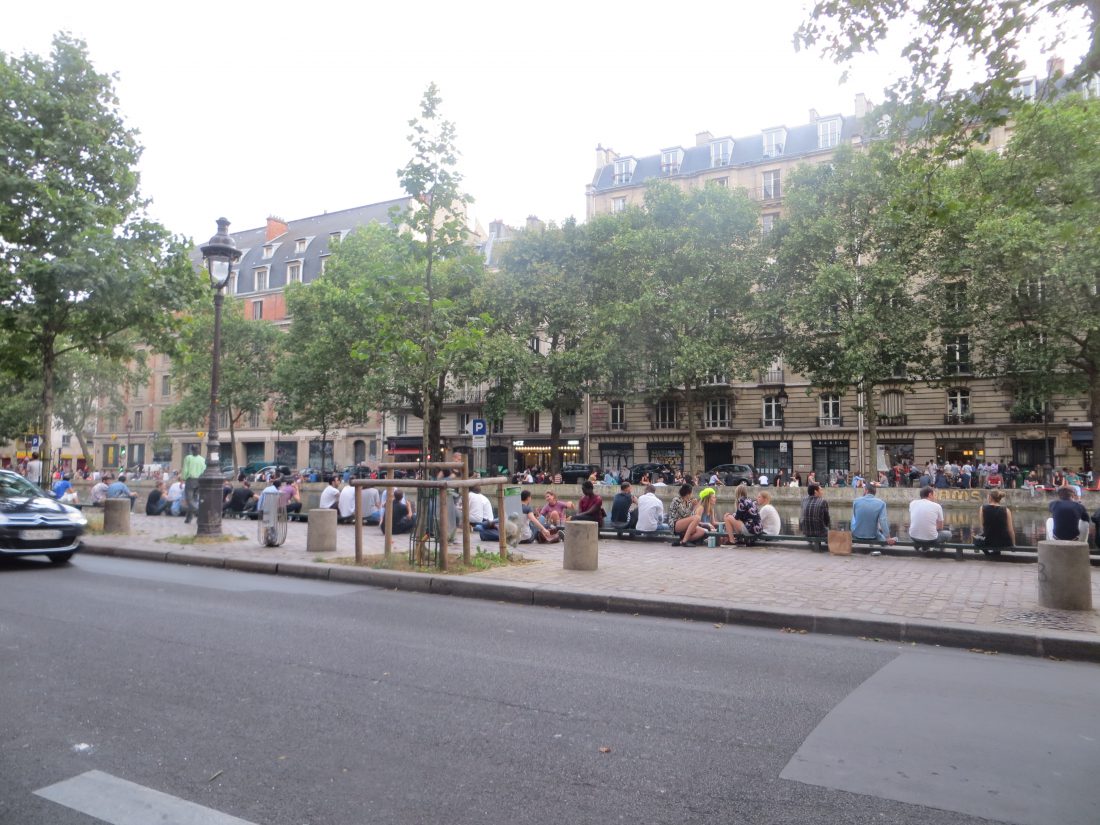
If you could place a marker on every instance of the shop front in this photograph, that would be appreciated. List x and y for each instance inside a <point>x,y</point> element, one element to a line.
<point>666,452</point>
<point>404,447</point>
<point>960,451</point>
<point>770,456</point>
<point>535,452</point>
<point>616,455</point>
<point>1081,438</point>
<point>892,453</point>
<point>830,459</point>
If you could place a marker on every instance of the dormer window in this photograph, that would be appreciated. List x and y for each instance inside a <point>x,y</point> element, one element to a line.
<point>720,152</point>
<point>294,272</point>
<point>333,236</point>
<point>269,250</point>
<point>774,141</point>
<point>671,160</point>
<point>828,133</point>
<point>300,245</point>
<point>624,170</point>
<point>1025,89</point>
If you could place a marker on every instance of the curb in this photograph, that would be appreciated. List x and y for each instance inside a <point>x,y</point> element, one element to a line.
<point>1059,645</point>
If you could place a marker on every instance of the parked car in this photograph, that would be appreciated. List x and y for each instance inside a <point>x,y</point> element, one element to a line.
<point>34,524</point>
<point>734,474</point>
<point>356,472</point>
<point>576,473</point>
<point>653,469</point>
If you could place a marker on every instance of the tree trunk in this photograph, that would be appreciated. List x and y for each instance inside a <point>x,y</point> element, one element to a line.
<point>694,459</point>
<point>555,439</point>
<point>870,472</point>
<point>49,366</point>
<point>232,439</point>
<point>89,459</point>
<point>1094,417</point>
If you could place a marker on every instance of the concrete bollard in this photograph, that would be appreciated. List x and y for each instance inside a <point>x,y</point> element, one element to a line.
<point>116,515</point>
<point>1065,578</point>
<point>582,545</point>
<point>321,531</point>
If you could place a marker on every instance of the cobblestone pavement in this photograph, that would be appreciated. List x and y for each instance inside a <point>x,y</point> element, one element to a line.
<point>1001,595</point>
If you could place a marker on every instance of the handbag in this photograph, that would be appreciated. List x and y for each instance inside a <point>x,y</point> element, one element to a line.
<point>840,542</point>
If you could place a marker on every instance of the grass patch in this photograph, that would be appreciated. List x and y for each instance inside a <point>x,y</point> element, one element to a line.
<point>200,539</point>
<point>399,561</point>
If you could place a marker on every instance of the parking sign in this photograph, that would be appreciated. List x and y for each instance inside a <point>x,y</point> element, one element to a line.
<point>479,427</point>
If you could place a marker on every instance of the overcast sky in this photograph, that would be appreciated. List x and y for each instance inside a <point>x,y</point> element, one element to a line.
<point>249,109</point>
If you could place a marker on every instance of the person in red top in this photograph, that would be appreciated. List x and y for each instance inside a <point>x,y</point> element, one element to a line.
<point>590,507</point>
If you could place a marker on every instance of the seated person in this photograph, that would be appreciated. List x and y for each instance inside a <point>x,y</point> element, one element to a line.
<point>552,514</point>
<point>345,505</point>
<point>156,503</point>
<point>291,497</point>
<point>481,509</point>
<point>330,496</point>
<point>744,523</point>
<point>242,500</point>
<point>624,508</point>
<point>372,506</point>
<point>651,511</point>
<point>770,523</point>
<point>684,519</point>
<point>99,491</point>
<point>590,507</point>
<point>535,529</point>
<point>175,497</point>
<point>404,518</point>
<point>1069,520</point>
<point>869,520</point>
<point>61,487</point>
<point>813,518</point>
<point>926,519</point>
<point>118,489</point>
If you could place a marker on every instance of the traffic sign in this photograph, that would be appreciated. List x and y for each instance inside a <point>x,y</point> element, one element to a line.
<point>480,427</point>
<point>480,441</point>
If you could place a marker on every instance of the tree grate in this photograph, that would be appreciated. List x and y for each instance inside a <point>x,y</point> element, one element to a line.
<point>1050,619</point>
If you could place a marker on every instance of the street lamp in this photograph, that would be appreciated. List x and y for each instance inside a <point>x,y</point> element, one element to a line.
<point>781,399</point>
<point>220,254</point>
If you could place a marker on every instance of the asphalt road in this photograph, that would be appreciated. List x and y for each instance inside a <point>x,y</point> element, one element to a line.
<point>286,702</point>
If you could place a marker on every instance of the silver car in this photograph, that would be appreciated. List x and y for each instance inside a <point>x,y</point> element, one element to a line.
<point>34,524</point>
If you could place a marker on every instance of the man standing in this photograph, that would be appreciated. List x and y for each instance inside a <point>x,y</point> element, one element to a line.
<point>813,519</point>
<point>926,519</point>
<point>194,466</point>
<point>34,470</point>
<point>869,521</point>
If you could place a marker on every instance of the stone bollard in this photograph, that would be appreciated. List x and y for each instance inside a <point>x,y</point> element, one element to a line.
<point>321,531</point>
<point>116,515</point>
<point>1065,578</point>
<point>582,545</point>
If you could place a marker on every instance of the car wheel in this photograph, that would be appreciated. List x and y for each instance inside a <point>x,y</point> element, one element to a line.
<point>60,558</point>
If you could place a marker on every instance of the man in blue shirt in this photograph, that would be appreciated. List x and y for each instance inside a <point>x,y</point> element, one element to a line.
<point>118,489</point>
<point>869,516</point>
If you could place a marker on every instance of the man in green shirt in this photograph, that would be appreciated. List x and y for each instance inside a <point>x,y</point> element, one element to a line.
<point>194,466</point>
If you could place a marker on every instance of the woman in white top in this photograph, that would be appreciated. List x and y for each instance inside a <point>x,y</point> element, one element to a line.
<point>770,522</point>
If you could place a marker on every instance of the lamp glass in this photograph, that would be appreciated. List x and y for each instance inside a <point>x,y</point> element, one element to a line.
<point>219,270</point>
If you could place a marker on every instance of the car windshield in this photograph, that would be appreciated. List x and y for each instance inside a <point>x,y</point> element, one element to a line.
<point>13,486</point>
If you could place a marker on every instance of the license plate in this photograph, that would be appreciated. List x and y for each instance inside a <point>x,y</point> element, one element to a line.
<point>40,535</point>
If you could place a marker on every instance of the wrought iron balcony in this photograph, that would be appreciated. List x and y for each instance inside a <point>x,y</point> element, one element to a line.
<point>772,376</point>
<point>959,418</point>
<point>1029,417</point>
<point>830,421</point>
<point>772,422</point>
<point>892,420</point>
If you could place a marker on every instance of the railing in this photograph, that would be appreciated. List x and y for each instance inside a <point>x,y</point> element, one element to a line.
<point>1029,417</point>
<point>830,421</point>
<point>617,425</point>
<point>892,420</point>
<point>771,422</point>
<point>773,376</point>
<point>958,418</point>
<point>716,423</point>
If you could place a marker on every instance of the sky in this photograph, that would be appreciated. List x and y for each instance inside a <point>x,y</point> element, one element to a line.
<point>250,109</point>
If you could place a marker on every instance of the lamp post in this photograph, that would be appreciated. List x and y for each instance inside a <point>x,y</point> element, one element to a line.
<point>781,399</point>
<point>126,459</point>
<point>220,254</point>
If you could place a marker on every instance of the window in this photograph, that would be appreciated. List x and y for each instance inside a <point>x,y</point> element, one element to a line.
<point>618,415</point>
<point>773,412</point>
<point>830,411</point>
<point>957,355</point>
<point>717,413</point>
<point>233,284</point>
<point>66,440</point>
<point>1025,89</point>
<point>334,237</point>
<point>300,246</point>
<point>269,250</point>
<point>257,310</point>
<point>716,378</point>
<point>402,423</point>
<point>259,279</point>
<point>569,421</point>
<point>893,405</point>
<point>223,420</point>
<point>618,204</point>
<point>1031,290</point>
<point>828,133</point>
<point>324,263</point>
<point>139,420</point>
<point>720,152</point>
<point>958,403</point>
<point>670,161</point>
<point>724,183</point>
<point>463,421</point>
<point>624,170</point>
<point>773,142</point>
<point>771,184</point>
<point>666,415</point>
<point>534,344</point>
<point>165,386</point>
<point>955,296</point>
<point>254,419</point>
<point>532,422</point>
<point>294,272</point>
<point>496,426</point>
<point>767,222</point>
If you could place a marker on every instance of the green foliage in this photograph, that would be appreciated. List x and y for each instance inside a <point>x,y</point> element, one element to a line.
<point>89,385</point>
<point>947,39</point>
<point>81,267</point>
<point>849,281</point>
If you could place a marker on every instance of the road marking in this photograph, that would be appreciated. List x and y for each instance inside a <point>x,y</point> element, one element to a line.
<point>119,802</point>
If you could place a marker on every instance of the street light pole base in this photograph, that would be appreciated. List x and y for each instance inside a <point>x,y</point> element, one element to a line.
<point>210,504</point>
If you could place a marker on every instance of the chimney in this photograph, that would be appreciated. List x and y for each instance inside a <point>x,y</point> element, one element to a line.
<point>813,116</point>
<point>861,105</point>
<point>275,228</point>
<point>1056,66</point>
<point>533,223</point>
<point>703,138</point>
<point>496,228</point>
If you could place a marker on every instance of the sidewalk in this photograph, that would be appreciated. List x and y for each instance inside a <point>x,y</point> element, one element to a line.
<point>977,604</point>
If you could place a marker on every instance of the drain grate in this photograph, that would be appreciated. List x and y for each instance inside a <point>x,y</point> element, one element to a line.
<point>1050,619</point>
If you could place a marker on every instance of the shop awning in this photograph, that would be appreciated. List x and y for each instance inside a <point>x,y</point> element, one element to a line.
<point>1081,438</point>
<point>404,451</point>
